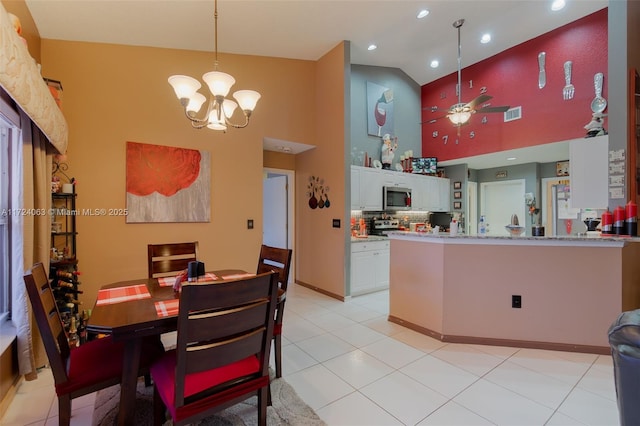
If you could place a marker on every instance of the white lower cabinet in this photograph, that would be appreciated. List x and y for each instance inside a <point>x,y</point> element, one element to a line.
<point>369,267</point>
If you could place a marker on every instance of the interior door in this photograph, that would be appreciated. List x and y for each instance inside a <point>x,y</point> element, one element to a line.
<point>274,212</point>
<point>499,200</point>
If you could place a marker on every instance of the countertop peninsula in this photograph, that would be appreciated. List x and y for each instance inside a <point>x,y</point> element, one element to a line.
<point>543,292</point>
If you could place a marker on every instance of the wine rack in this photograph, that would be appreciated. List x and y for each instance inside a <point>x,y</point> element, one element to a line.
<point>64,275</point>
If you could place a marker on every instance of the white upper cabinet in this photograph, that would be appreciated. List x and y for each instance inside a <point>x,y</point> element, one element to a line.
<point>366,189</point>
<point>428,193</point>
<point>589,172</point>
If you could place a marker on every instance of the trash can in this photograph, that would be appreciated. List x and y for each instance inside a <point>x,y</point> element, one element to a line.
<point>624,338</point>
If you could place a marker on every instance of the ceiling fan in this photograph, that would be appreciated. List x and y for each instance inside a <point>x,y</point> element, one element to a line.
<point>460,113</point>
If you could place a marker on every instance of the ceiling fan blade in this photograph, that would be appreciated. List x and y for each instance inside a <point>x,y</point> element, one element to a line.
<point>493,109</point>
<point>434,119</point>
<point>478,101</point>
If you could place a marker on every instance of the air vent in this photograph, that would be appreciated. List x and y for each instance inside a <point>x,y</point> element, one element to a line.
<point>513,114</point>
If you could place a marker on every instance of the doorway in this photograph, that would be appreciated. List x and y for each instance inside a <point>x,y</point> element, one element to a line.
<point>499,200</point>
<point>278,221</point>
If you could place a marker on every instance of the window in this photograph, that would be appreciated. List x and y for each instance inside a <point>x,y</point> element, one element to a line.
<point>8,144</point>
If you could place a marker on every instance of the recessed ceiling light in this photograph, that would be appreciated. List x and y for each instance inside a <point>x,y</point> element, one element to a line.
<point>511,158</point>
<point>486,38</point>
<point>422,13</point>
<point>372,47</point>
<point>434,63</point>
<point>557,5</point>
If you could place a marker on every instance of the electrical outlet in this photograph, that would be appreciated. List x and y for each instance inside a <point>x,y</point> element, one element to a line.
<point>249,223</point>
<point>516,301</point>
<point>336,223</point>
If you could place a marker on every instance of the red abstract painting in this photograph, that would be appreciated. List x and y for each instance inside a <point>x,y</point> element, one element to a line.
<point>163,169</point>
<point>167,184</point>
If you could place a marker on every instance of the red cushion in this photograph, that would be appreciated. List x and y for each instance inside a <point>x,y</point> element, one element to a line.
<point>101,360</point>
<point>163,373</point>
<point>277,329</point>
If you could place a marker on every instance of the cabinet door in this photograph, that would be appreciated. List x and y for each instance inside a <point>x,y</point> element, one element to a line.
<point>363,271</point>
<point>419,192</point>
<point>431,193</point>
<point>398,179</point>
<point>589,171</point>
<point>382,269</point>
<point>444,194</point>
<point>355,189</point>
<point>370,189</point>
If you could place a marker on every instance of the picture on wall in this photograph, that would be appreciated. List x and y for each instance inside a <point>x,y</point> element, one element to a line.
<point>379,110</point>
<point>167,184</point>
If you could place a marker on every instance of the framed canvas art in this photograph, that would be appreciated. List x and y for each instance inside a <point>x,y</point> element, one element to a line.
<point>167,184</point>
<point>379,110</point>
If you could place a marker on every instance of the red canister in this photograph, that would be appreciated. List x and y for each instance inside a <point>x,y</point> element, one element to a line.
<point>607,222</point>
<point>631,219</point>
<point>618,221</point>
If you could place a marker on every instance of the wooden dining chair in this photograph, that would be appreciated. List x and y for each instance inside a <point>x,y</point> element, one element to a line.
<point>225,330</point>
<point>81,370</point>
<point>278,260</point>
<point>169,259</point>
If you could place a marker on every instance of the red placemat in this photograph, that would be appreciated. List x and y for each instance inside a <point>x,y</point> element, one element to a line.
<point>109,296</point>
<point>170,281</point>
<point>167,308</point>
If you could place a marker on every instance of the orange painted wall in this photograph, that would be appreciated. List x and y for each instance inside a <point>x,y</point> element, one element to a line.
<point>114,94</point>
<point>321,248</point>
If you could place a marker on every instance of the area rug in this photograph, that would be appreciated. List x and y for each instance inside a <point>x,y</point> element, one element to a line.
<point>287,409</point>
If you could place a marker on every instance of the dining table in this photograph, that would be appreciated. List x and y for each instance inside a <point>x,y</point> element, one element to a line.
<point>134,309</point>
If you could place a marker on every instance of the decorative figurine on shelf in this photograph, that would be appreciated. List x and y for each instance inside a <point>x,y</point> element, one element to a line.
<point>388,149</point>
<point>596,126</point>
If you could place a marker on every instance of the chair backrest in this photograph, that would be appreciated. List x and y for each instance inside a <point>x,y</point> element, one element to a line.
<point>224,322</point>
<point>275,259</point>
<point>169,259</point>
<point>49,321</point>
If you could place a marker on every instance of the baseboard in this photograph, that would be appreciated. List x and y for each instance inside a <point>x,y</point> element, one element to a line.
<point>9,395</point>
<point>319,290</point>
<point>553,346</point>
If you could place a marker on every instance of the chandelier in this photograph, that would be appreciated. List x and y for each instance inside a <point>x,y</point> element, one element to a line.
<point>219,109</point>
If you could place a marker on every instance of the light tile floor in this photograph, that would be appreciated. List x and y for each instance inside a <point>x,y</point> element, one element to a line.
<point>355,368</point>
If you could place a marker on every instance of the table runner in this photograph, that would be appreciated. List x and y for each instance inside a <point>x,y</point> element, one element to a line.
<point>109,296</point>
<point>170,281</point>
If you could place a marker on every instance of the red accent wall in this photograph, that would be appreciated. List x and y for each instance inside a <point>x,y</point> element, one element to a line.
<point>511,77</point>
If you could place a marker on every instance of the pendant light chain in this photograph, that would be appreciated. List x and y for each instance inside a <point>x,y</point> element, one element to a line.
<point>215,20</point>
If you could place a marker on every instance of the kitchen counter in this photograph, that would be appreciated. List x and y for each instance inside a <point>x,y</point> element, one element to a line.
<point>369,238</point>
<point>466,288</point>
<point>446,238</point>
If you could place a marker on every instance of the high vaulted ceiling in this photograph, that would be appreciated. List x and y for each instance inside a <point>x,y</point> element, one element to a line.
<point>307,29</point>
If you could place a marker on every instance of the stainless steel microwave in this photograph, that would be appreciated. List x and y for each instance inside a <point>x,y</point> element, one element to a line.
<point>395,198</point>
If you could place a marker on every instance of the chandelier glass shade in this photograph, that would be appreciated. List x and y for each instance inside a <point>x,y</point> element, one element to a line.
<point>219,108</point>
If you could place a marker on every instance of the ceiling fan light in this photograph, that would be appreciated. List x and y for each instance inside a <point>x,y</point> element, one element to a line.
<point>184,86</point>
<point>460,117</point>
<point>219,82</point>
<point>247,99</point>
